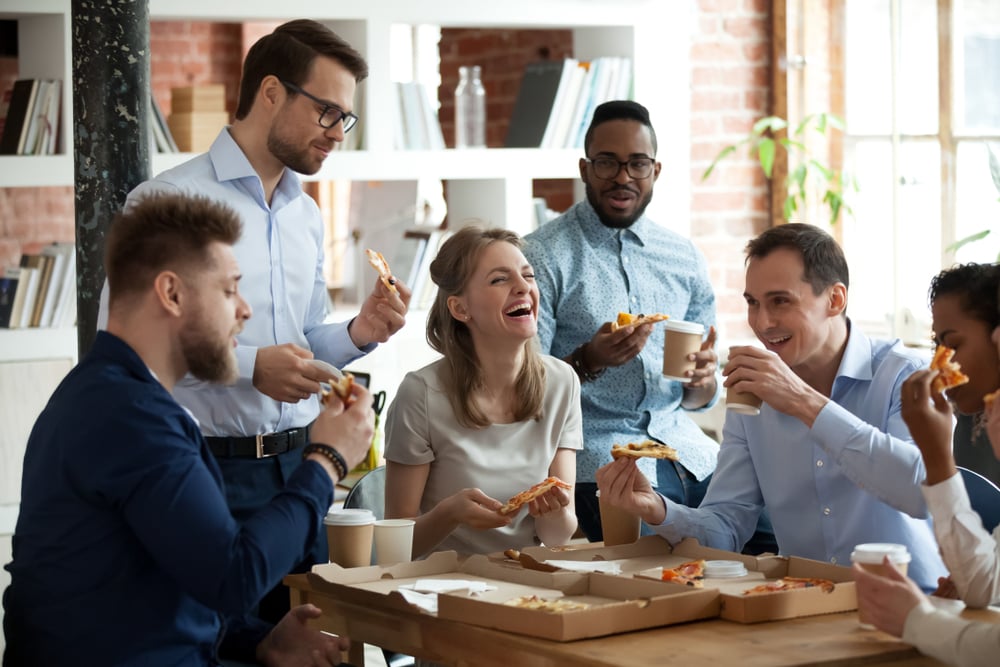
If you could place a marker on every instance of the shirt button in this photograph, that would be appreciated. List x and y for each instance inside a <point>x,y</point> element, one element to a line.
<point>826,511</point>
<point>635,299</point>
<point>819,464</point>
<point>625,260</point>
<point>834,560</point>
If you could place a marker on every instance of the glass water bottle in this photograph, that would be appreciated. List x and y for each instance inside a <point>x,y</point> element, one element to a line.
<point>470,109</point>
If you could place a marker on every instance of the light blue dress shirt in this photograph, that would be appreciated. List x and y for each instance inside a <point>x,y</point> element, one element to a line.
<point>853,478</point>
<point>587,273</point>
<point>281,257</point>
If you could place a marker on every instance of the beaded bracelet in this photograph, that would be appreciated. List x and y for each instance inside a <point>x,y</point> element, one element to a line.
<point>339,464</point>
<point>580,366</point>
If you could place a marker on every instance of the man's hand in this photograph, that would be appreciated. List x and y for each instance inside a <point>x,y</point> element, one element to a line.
<point>623,485</point>
<point>766,375</point>
<point>348,430</point>
<point>613,348</point>
<point>382,314</point>
<point>284,373</point>
<point>928,416</point>
<point>291,643</point>
<point>888,600</point>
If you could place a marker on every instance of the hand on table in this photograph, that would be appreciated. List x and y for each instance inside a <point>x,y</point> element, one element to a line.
<point>291,643</point>
<point>886,600</point>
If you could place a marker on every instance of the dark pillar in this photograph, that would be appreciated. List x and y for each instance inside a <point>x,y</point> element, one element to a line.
<point>111,135</point>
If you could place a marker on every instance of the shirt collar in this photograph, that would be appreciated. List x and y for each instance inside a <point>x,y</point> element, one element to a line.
<point>231,164</point>
<point>857,360</point>
<point>598,232</point>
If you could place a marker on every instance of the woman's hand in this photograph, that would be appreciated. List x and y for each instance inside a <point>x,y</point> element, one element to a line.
<point>886,600</point>
<point>473,508</point>
<point>553,500</point>
<point>928,416</point>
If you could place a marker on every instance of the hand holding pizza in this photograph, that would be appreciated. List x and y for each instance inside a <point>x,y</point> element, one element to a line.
<point>613,347</point>
<point>382,314</point>
<point>623,485</point>
<point>928,416</point>
<point>473,508</point>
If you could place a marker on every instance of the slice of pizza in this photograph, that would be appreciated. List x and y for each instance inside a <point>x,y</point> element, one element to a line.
<point>384,272</point>
<point>526,497</point>
<point>691,574</point>
<point>626,319</point>
<point>949,373</point>
<point>551,605</point>
<point>340,388</point>
<point>647,449</point>
<point>990,397</point>
<point>791,584</point>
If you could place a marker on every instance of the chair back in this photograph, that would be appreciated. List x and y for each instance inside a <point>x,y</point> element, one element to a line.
<point>984,496</point>
<point>369,493</point>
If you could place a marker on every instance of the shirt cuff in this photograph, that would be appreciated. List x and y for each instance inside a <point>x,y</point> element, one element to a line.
<point>246,361</point>
<point>948,498</point>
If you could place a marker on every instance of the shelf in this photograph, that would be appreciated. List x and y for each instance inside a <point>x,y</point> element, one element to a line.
<point>37,344</point>
<point>35,171</point>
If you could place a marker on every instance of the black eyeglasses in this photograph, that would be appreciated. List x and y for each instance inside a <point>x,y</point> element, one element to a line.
<point>330,115</point>
<point>608,168</point>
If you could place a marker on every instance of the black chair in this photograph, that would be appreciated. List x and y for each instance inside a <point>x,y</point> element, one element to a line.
<point>369,493</point>
<point>984,496</point>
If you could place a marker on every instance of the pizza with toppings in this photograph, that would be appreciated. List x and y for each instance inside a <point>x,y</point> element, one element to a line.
<point>384,272</point>
<point>949,373</point>
<point>690,574</point>
<point>526,497</point>
<point>555,606</point>
<point>647,449</point>
<point>627,319</point>
<point>340,388</point>
<point>791,584</point>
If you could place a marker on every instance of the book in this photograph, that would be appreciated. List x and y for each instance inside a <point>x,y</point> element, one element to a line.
<point>8,288</point>
<point>48,142</point>
<point>65,311</point>
<point>163,139</point>
<point>45,264</point>
<point>17,116</point>
<point>61,254</point>
<point>17,305</point>
<point>24,299</point>
<point>432,128</point>
<point>36,119</point>
<point>570,65</point>
<point>533,105</point>
<point>408,255</point>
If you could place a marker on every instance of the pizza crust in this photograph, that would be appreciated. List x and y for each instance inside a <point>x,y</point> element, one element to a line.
<point>949,373</point>
<point>378,263</point>
<point>525,497</point>
<point>339,388</point>
<point>647,449</point>
<point>627,319</point>
<point>791,584</point>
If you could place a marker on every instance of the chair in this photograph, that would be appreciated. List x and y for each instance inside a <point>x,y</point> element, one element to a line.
<point>984,497</point>
<point>369,493</point>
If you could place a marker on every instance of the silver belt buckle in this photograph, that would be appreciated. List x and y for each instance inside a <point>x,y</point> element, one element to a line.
<point>260,446</point>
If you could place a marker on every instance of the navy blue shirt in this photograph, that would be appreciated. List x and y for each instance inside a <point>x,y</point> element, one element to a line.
<point>125,551</point>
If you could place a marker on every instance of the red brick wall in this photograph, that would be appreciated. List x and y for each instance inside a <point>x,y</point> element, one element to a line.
<point>730,75</point>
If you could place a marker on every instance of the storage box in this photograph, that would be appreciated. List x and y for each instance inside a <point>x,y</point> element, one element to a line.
<point>195,131</point>
<point>188,99</point>
<point>647,557</point>
<point>617,605</point>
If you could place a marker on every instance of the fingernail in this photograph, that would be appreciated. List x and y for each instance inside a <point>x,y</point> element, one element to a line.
<point>392,281</point>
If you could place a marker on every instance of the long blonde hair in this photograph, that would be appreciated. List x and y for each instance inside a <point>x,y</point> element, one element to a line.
<point>462,373</point>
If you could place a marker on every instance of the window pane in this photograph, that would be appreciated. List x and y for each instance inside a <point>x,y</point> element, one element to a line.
<point>977,66</point>
<point>977,205</point>
<point>869,67</point>
<point>869,238</point>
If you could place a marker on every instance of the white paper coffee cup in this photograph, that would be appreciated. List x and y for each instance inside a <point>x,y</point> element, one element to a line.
<point>871,557</point>
<point>349,536</point>
<point>680,339</point>
<point>743,402</point>
<point>393,541</point>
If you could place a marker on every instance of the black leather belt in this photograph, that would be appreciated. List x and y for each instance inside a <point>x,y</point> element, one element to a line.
<point>259,446</point>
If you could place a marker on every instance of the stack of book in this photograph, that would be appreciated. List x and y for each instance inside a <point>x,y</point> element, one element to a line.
<point>415,119</point>
<point>557,100</point>
<point>41,291</point>
<point>197,114</point>
<point>163,139</point>
<point>31,125</point>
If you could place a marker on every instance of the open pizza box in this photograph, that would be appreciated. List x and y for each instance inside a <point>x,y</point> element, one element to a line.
<point>615,604</point>
<point>648,556</point>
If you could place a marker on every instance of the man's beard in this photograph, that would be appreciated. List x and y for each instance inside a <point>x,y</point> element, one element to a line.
<point>617,222</point>
<point>207,359</point>
<point>289,155</point>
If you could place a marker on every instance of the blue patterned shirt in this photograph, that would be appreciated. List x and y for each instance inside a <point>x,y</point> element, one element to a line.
<point>586,273</point>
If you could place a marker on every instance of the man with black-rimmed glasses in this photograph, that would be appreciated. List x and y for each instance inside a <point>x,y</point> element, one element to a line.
<point>604,256</point>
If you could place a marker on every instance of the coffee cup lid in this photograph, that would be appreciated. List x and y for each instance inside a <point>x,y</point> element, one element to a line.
<point>685,327</point>
<point>725,568</point>
<point>874,552</point>
<point>349,517</point>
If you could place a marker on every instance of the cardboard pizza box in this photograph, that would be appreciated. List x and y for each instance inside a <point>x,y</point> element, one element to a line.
<point>647,557</point>
<point>617,605</point>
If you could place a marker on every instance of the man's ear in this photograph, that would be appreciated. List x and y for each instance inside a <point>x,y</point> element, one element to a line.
<point>457,308</point>
<point>271,92</point>
<point>169,289</point>
<point>838,298</point>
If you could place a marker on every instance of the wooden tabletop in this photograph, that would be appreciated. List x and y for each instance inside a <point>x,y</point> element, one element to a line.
<point>832,639</point>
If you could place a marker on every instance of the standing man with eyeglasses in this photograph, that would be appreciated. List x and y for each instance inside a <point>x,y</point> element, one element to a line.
<point>603,256</point>
<point>295,101</point>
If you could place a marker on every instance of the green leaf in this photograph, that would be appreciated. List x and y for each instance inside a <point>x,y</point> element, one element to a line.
<point>823,169</point>
<point>765,153</point>
<point>789,207</point>
<point>772,123</point>
<point>722,154</point>
<point>978,236</point>
<point>798,176</point>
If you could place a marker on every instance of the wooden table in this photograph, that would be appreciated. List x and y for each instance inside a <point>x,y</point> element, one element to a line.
<point>833,639</point>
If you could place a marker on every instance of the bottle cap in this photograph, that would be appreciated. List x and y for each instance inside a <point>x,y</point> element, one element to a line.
<point>724,568</point>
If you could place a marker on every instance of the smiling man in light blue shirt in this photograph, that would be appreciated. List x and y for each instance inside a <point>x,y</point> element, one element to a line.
<point>829,454</point>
